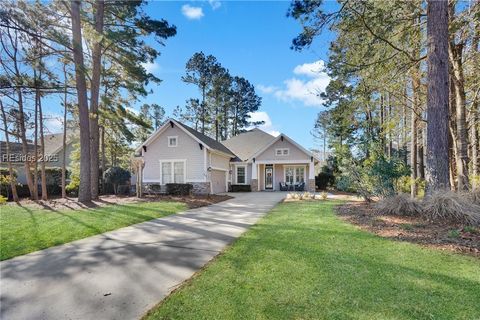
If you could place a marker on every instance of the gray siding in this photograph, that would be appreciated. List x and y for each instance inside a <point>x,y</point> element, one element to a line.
<point>295,152</point>
<point>187,148</point>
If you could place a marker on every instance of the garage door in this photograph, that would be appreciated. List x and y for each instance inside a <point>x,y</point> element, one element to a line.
<point>218,181</point>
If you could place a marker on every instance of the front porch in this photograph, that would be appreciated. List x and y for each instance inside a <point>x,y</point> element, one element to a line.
<point>281,176</point>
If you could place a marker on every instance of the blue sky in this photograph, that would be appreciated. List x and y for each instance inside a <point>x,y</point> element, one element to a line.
<point>251,39</point>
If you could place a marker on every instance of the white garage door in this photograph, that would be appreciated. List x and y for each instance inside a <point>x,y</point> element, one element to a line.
<point>218,181</point>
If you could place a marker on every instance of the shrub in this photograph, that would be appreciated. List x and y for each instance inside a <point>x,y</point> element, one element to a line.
<point>323,195</point>
<point>72,187</point>
<point>451,206</point>
<point>179,189</point>
<point>324,179</point>
<point>241,188</point>
<point>3,200</point>
<point>117,176</point>
<point>399,205</point>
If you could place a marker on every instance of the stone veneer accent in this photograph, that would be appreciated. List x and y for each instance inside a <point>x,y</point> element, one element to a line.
<point>311,185</point>
<point>254,185</point>
<point>200,187</point>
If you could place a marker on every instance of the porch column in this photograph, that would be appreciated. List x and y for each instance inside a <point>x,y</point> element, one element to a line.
<point>311,176</point>
<point>254,178</point>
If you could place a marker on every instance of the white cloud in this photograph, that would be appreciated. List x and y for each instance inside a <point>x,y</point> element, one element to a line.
<point>192,13</point>
<point>266,89</point>
<point>313,69</point>
<point>215,4</point>
<point>267,126</point>
<point>150,67</point>
<point>306,88</point>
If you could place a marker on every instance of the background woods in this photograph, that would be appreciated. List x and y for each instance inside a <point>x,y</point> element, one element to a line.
<point>90,58</point>
<point>391,113</point>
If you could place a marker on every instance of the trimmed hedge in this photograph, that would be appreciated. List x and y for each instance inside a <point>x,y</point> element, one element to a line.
<point>240,188</point>
<point>179,189</point>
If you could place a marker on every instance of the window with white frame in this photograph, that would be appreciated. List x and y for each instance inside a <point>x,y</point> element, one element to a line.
<point>241,175</point>
<point>172,141</point>
<point>294,174</point>
<point>282,152</point>
<point>172,171</point>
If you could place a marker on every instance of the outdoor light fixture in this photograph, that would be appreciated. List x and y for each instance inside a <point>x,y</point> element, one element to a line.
<point>201,146</point>
<point>144,148</point>
<point>171,123</point>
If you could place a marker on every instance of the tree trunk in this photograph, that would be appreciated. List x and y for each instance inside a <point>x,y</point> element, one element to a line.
<point>64,140</point>
<point>103,159</point>
<point>455,55</point>
<point>421,153</point>
<point>475,119</point>
<point>35,138</point>
<point>94,97</point>
<point>13,185</point>
<point>42,149</point>
<point>414,130</point>
<point>437,175</point>
<point>84,193</point>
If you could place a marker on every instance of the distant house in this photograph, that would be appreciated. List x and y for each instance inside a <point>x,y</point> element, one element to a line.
<point>53,153</point>
<point>176,153</point>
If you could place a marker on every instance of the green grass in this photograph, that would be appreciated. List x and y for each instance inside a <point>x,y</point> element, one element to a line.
<point>302,262</point>
<point>24,229</point>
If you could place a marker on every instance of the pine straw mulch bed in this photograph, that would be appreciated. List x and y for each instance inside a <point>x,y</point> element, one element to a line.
<point>443,236</point>
<point>73,204</point>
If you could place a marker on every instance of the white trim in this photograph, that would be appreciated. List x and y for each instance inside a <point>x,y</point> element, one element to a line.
<point>283,161</point>
<point>259,152</point>
<point>195,180</point>
<point>218,169</point>
<point>294,174</point>
<point>274,182</point>
<point>172,168</point>
<point>171,145</point>
<point>236,174</point>
<point>265,177</point>
<point>282,152</point>
<point>205,165</point>
<point>160,130</point>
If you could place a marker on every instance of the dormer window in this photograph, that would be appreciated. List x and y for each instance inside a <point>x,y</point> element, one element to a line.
<point>282,152</point>
<point>172,141</point>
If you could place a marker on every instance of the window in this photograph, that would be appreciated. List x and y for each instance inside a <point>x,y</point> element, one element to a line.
<point>172,141</point>
<point>241,173</point>
<point>282,152</point>
<point>294,174</point>
<point>173,171</point>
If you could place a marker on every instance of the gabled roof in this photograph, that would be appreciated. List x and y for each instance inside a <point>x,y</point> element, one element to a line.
<point>213,144</point>
<point>283,136</point>
<point>54,141</point>
<point>199,137</point>
<point>246,144</point>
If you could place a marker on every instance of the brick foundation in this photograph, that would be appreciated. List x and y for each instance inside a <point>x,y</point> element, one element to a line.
<point>200,187</point>
<point>254,185</point>
<point>311,185</point>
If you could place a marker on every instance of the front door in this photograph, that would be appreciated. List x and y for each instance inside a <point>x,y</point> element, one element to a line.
<point>268,177</point>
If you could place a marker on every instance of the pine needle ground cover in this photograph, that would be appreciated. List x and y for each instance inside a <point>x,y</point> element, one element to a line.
<point>302,262</point>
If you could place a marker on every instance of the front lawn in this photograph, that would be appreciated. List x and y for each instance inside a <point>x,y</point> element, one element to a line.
<point>302,262</point>
<point>24,229</point>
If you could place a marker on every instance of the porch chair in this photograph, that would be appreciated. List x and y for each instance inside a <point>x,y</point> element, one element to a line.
<point>283,186</point>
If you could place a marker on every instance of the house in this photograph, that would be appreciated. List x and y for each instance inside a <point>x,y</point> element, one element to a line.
<point>53,153</point>
<point>176,153</point>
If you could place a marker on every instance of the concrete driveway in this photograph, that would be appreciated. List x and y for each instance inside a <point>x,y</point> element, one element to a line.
<point>123,273</point>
